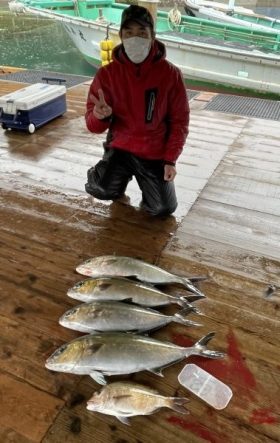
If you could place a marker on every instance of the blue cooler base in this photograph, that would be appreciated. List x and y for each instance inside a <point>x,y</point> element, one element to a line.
<point>29,120</point>
<point>38,116</point>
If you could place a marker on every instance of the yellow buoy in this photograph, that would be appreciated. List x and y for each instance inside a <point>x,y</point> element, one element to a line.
<point>106,47</point>
<point>104,56</point>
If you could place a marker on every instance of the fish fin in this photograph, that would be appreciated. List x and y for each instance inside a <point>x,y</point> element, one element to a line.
<point>192,288</point>
<point>157,371</point>
<point>192,298</point>
<point>186,305</point>
<point>185,311</point>
<point>98,377</point>
<point>95,347</point>
<point>179,318</point>
<point>133,277</point>
<point>104,286</point>
<point>124,420</point>
<point>199,348</point>
<point>205,340</point>
<point>111,260</point>
<point>176,403</point>
<point>127,300</point>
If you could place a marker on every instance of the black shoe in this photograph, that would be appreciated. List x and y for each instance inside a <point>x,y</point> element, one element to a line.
<point>90,174</point>
<point>89,189</point>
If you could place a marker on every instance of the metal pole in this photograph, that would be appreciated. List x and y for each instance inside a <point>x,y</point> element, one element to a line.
<point>231,4</point>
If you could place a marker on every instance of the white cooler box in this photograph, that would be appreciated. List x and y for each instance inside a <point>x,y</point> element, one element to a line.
<point>31,107</point>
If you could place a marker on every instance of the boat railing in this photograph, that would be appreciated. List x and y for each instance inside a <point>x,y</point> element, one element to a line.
<point>225,32</point>
<point>261,20</point>
<point>58,4</point>
<point>264,40</point>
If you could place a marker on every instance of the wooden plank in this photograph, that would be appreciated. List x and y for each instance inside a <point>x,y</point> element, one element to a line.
<point>253,387</point>
<point>212,255</point>
<point>241,199</point>
<point>244,291</point>
<point>50,166</point>
<point>48,225</point>
<point>27,411</point>
<point>11,436</point>
<point>255,189</point>
<point>251,162</point>
<point>65,230</point>
<point>240,219</point>
<point>75,209</point>
<point>28,304</point>
<point>24,351</point>
<point>252,231</point>
<point>257,175</point>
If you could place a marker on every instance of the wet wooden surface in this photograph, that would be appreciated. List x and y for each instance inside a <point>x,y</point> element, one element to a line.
<point>226,227</point>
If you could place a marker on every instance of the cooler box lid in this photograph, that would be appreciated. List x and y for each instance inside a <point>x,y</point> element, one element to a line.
<point>30,97</point>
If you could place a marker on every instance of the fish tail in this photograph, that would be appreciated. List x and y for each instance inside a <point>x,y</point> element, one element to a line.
<point>176,403</point>
<point>193,298</point>
<point>199,348</point>
<point>192,288</point>
<point>185,305</point>
<point>180,317</point>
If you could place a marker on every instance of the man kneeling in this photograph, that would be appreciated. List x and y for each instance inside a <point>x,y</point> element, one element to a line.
<point>140,98</point>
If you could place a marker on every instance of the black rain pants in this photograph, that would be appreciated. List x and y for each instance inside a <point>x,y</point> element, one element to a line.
<point>108,180</point>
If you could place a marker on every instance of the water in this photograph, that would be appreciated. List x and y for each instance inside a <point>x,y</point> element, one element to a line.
<point>42,44</point>
<point>39,44</point>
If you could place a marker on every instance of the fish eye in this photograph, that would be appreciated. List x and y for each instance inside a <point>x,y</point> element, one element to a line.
<point>60,350</point>
<point>79,284</point>
<point>71,312</point>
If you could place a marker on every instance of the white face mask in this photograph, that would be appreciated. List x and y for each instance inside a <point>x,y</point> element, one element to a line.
<point>137,48</point>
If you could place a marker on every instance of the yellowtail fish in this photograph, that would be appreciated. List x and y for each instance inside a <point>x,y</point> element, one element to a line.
<point>115,266</point>
<point>119,288</point>
<point>127,399</point>
<point>98,316</point>
<point>119,353</point>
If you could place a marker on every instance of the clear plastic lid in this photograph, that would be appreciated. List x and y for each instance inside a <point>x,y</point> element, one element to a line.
<point>205,386</point>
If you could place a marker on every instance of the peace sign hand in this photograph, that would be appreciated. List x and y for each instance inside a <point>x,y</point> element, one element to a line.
<point>101,109</point>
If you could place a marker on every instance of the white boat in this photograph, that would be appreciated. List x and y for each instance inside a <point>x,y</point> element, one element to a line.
<point>208,53</point>
<point>231,14</point>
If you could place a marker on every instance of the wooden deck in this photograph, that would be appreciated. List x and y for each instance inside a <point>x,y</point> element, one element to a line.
<point>226,226</point>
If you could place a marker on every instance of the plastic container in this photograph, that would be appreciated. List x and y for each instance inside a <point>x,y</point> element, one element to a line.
<point>205,386</point>
<point>33,106</point>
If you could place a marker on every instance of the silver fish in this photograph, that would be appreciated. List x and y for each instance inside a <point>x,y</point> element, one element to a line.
<point>116,266</point>
<point>122,353</point>
<point>119,288</point>
<point>104,316</point>
<point>127,399</point>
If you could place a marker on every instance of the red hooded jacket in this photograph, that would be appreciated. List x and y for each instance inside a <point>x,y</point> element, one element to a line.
<point>150,105</point>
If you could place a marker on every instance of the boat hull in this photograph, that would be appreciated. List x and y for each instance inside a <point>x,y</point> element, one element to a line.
<point>223,62</point>
<point>238,16</point>
<point>200,62</point>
